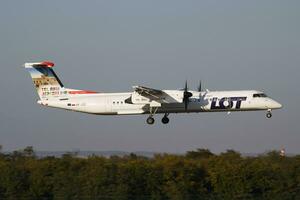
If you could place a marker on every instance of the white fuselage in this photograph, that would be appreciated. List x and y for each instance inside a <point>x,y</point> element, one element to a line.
<point>129,103</point>
<point>143,100</point>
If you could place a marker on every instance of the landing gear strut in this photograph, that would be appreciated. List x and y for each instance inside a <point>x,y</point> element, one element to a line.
<point>150,120</point>
<point>269,114</point>
<point>165,119</point>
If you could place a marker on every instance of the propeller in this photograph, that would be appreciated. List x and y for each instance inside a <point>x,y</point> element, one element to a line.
<point>186,96</point>
<point>199,86</point>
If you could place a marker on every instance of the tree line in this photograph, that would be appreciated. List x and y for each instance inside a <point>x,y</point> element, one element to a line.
<point>195,175</point>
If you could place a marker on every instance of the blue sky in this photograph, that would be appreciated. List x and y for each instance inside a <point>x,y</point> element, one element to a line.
<point>112,45</point>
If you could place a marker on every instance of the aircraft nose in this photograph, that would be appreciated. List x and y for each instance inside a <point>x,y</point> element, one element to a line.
<point>276,105</point>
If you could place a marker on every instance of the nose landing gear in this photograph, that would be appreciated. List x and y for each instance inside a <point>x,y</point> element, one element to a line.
<point>269,114</point>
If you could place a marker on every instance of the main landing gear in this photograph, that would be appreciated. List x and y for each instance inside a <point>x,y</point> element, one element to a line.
<point>150,120</point>
<point>165,119</point>
<point>269,114</point>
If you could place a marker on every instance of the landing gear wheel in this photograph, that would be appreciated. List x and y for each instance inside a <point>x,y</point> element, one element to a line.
<point>152,111</point>
<point>269,115</point>
<point>165,120</point>
<point>150,120</point>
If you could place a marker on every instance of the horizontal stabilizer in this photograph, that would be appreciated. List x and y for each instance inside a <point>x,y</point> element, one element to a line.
<point>39,64</point>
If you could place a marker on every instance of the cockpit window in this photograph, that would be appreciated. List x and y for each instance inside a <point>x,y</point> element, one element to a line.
<point>259,95</point>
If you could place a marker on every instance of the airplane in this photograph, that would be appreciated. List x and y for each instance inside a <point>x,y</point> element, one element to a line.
<point>143,100</point>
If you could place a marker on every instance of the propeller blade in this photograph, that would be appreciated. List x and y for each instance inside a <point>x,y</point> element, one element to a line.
<point>199,86</point>
<point>186,102</point>
<point>185,87</point>
<point>186,96</point>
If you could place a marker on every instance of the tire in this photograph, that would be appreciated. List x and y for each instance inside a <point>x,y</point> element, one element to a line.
<point>150,120</point>
<point>269,115</point>
<point>165,120</point>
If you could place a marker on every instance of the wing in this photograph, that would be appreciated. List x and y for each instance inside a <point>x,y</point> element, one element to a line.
<point>148,92</point>
<point>155,97</point>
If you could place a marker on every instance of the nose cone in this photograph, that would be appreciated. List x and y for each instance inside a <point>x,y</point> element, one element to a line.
<point>275,105</point>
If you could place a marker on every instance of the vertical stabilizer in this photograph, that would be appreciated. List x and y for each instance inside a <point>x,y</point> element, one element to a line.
<point>45,80</point>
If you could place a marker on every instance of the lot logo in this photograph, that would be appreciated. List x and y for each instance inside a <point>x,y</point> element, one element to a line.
<point>227,103</point>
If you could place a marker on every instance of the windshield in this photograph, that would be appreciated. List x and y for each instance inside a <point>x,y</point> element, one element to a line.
<point>259,95</point>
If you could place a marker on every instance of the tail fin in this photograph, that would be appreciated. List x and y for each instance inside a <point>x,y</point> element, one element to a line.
<point>45,80</point>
